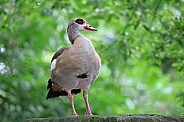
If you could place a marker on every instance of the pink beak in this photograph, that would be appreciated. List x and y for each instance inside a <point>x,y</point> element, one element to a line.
<point>89,27</point>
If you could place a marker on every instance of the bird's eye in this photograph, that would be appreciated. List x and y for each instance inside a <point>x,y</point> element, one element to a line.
<point>80,21</point>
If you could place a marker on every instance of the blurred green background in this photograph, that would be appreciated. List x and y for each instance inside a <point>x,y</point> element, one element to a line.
<point>140,42</point>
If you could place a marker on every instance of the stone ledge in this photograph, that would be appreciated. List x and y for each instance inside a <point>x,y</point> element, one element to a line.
<point>112,118</point>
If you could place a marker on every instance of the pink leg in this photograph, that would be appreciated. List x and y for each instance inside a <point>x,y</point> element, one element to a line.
<point>70,96</point>
<point>85,95</point>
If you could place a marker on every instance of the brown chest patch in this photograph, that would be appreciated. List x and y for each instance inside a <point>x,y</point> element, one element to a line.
<point>84,75</point>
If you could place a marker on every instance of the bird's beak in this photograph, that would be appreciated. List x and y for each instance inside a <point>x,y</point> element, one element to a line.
<point>89,27</point>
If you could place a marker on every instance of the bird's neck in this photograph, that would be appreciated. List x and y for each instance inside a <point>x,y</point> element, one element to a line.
<point>84,44</point>
<point>72,34</point>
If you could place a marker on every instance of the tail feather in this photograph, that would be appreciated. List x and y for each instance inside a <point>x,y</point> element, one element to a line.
<point>49,84</point>
<point>52,93</point>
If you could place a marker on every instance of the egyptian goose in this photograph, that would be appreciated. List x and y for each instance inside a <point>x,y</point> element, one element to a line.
<point>76,67</point>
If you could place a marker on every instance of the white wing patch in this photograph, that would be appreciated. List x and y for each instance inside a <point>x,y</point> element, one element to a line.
<point>53,65</point>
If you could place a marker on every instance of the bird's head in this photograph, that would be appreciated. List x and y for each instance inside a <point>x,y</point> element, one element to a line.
<point>80,24</point>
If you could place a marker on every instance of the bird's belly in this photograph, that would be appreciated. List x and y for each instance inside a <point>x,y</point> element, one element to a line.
<point>74,80</point>
<point>75,72</point>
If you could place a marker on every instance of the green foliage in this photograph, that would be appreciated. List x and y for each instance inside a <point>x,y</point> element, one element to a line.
<point>140,44</point>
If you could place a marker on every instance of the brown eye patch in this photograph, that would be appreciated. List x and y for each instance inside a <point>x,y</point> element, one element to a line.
<point>80,21</point>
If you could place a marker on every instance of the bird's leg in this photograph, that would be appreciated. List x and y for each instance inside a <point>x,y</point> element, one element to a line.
<point>85,95</point>
<point>70,96</point>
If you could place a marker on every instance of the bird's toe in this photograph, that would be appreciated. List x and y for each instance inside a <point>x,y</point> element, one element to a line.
<point>75,114</point>
<point>88,113</point>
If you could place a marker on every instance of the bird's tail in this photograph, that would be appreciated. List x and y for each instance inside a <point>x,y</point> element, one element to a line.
<point>56,91</point>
